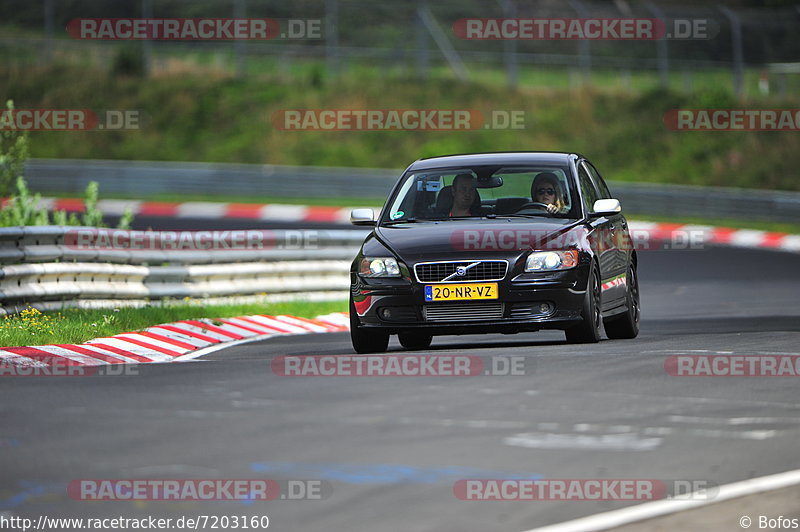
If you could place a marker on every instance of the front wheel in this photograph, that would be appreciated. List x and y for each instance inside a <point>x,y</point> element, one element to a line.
<point>588,331</point>
<point>414,340</point>
<point>366,340</point>
<point>626,325</point>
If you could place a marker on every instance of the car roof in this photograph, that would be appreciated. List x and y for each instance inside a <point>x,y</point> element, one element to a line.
<point>501,158</point>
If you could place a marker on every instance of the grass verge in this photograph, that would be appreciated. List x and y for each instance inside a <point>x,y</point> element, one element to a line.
<point>221,119</point>
<point>74,326</point>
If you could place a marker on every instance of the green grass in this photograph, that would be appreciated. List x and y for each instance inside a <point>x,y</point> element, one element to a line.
<point>72,326</point>
<point>194,117</point>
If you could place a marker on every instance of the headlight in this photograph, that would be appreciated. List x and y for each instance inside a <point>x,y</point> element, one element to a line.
<point>379,267</point>
<point>548,261</point>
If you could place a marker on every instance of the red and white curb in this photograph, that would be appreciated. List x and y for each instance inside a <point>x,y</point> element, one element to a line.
<point>688,236</point>
<point>170,342</point>
<point>681,236</point>
<point>280,212</point>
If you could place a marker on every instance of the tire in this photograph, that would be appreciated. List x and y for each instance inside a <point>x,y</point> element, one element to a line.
<point>626,325</point>
<point>588,331</point>
<point>365,340</point>
<point>414,340</point>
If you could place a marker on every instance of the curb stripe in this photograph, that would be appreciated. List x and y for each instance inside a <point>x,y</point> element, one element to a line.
<point>128,337</point>
<point>328,214</point>
<point>93,351</point>
<point>187,333</point>
<point>167,339</point>
<point>248,211</point>
<point>171,342</point>
<point>93,354</point>
<point>150,343</point>
<point>236,324</point>
<point>313,323</point>
<point>16,359</point>
<point>260,328</point>
<point>80,359</point>
<point>308,325</point>
<point>158,208</point>
<point>269,321</point>
<point>273,321</point>
<point>200,332</point>
<point>196,343</point>
<point>125,346</point>
<point>213,328</point>
<point>39,355</point>
<point>120,352</point>
<point>272,329</point>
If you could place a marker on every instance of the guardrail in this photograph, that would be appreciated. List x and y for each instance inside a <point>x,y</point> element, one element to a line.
<point>47,267</point>
<point>146,179</point>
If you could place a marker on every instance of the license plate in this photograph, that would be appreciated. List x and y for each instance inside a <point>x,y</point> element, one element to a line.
<point>460,292</point>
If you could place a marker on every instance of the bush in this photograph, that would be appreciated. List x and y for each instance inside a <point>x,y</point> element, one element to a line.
<point>13,154</point>
<point>128,61</point>
<point>24,208</point>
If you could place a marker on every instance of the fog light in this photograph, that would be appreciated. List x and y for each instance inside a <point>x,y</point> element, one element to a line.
<point>386,313</point>
<point>545,308</point>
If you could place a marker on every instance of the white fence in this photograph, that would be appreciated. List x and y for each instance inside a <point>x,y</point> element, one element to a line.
<point>45,267</point>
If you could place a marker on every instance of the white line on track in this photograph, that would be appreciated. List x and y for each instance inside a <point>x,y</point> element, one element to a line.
<point>640,512</point>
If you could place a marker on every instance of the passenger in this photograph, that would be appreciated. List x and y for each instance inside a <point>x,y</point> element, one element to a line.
<point>547,190</point>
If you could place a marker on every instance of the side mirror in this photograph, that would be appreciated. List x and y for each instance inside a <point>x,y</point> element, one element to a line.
<point>605,207</point>
<point>362,217</point>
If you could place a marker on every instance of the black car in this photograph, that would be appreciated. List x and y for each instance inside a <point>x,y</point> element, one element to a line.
<point>494,243</point>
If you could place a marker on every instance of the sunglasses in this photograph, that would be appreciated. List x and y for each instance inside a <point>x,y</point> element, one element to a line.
<point>549,191</point>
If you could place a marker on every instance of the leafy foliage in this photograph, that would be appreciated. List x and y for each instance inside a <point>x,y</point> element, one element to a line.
<point>24,208</point>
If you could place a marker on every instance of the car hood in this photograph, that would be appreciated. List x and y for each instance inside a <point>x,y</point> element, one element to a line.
<point>462,240</point>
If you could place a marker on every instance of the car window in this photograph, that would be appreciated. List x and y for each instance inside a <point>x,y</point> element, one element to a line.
<point>598,180</point>
<point>499,190</point>
<point>588,191</point>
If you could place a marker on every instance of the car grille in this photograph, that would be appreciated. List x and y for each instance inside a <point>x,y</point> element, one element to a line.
<point>436,272</point>
<point>471,312</point>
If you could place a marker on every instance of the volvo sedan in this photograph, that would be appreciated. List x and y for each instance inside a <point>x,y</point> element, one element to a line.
<point>494,243</point>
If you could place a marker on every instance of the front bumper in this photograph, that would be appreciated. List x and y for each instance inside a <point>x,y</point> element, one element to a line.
<point>518,307</point>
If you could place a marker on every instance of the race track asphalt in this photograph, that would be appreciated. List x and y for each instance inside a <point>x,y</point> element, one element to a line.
<point>389,449</point>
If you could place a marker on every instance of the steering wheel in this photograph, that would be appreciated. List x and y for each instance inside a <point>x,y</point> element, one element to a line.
<point>533,205</point>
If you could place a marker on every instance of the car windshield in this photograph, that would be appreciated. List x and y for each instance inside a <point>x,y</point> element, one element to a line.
<point>443,194</point>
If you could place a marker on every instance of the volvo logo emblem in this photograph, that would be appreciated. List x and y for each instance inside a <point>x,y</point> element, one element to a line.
<point>461,271</point>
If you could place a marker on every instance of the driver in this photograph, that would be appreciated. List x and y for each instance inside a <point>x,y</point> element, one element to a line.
<point>547,190</point>
<point>463,195</point>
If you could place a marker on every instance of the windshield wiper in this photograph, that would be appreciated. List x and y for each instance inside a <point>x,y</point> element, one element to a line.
<point>521,215</point>
<point>395,222</point>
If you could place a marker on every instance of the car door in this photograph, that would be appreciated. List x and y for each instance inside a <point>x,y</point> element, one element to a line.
<point>603,239</point>
<point>620,231</point>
